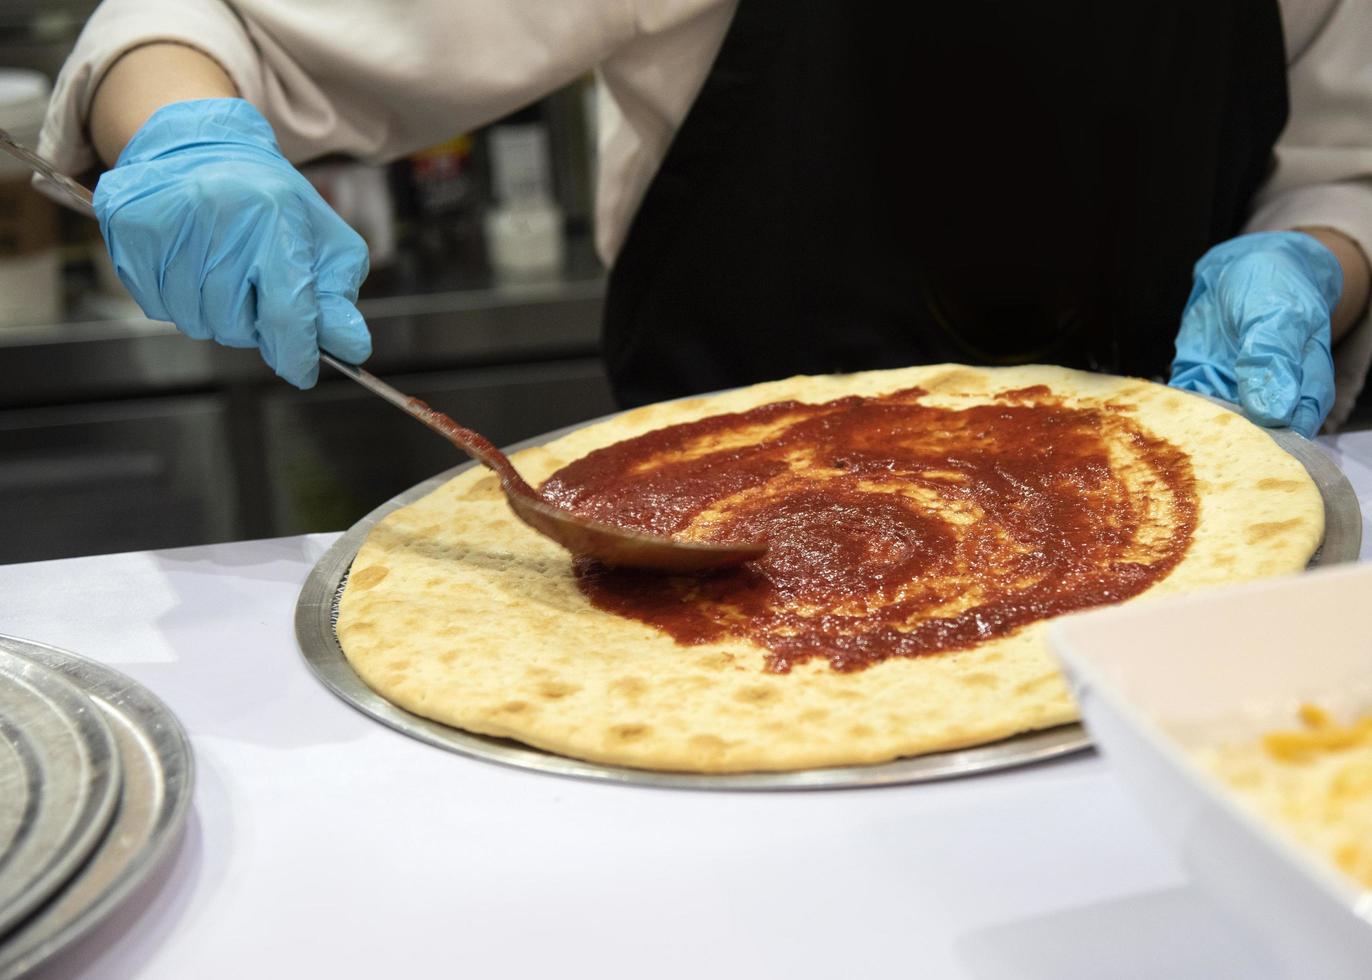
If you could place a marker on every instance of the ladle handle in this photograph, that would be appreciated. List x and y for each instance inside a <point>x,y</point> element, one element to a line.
<point>373,384</point>
<point>472,443</point>
<point>79,195</point>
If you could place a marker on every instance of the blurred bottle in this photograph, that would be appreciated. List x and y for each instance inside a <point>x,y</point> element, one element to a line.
<point>30,259</point>
<point>524,226</point>
<point>438,199</point>
<point>443,180</point>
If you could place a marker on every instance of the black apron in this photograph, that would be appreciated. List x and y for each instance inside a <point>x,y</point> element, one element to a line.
<point>864,185</point>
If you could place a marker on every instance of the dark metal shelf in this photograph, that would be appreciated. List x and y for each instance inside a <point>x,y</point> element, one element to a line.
<point>124,357</point>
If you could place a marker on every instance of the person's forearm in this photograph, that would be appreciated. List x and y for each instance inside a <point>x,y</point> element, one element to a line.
<point>1357,278</point>
<point>143,81</point>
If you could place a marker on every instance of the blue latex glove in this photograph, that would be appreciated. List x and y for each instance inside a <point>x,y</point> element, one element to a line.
<point>210,227</point>
<point>1256,328</point>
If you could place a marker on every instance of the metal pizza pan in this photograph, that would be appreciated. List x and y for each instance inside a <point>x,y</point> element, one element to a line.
<point>317,612</point>
<point>149,817</point>
<point>68,771</point>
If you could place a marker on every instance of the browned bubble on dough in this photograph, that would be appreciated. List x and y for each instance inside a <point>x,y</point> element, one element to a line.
<point>1272,483</point>
<point>1265,530</point>
<point>629,687</point>
<point>366,578</point>
<point>629,733</point>
<point>556,690</point>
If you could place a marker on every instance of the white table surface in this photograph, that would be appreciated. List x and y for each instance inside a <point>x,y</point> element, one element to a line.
<point>322,844</point>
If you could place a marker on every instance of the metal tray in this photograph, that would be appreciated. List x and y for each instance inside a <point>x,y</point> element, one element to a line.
<point>67,775</point>
<point>316,613</point>
<point>148,820</point>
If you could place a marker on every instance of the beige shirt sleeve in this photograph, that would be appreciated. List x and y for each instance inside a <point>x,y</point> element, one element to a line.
<point>1324,157</point>
<point>374,79</point>
<point>368,78</point>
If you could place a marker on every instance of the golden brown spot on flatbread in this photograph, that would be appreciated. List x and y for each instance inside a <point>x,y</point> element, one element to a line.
<point>402,664</point>
<point>629,687</point>
<point>954,379</point>
<point>487,488</point>
<point>513,707</point>
<point>757,695</point>
<point>362,626</point>
<point>1268,483</point>
<point>553,690</point>
<point>1224,559</point>
<point>708,743</point>
<point>643,416</point>
<point>861,731</point>
<point>980,678</point>
<point>1030,686</point>
<point>446,658</point>
<point>368,577</point>
<point>1264,530</point>
<point>813,715</point>
<point>539,458</point>
<point>1224,418</point>
<point>628,733</point>
<point>689,683</point>
<point>715,661</point>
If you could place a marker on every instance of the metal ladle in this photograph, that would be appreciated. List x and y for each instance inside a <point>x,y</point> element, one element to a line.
<point>611,545</point>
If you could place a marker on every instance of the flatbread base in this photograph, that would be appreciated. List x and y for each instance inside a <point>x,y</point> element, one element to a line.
<point>454,610</point>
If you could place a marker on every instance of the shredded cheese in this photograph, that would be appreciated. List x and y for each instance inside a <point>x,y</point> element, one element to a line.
<point>1315,782</point>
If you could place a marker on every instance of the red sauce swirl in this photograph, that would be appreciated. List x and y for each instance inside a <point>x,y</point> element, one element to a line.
<point>894,528</point>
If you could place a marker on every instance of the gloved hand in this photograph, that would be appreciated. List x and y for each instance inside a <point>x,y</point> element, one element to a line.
<point>1256,328</point>
<point>211,228</point>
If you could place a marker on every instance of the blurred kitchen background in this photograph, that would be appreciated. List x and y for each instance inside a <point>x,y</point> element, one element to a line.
<point>117,433</point>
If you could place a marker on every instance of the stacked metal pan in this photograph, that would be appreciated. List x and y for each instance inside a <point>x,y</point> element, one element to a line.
<point>95,785</point>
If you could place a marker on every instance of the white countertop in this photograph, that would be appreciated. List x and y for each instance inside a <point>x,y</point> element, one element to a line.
<point>322,844</point>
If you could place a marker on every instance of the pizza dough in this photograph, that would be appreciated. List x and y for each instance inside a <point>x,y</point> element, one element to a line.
<point>456,611</point>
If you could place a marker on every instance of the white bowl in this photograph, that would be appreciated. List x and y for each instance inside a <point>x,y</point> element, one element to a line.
<point>1160,678</point>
